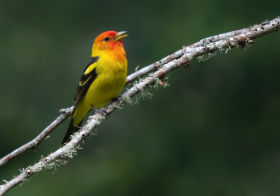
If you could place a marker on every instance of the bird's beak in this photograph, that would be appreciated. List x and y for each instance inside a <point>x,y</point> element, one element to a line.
<point>120,35</point>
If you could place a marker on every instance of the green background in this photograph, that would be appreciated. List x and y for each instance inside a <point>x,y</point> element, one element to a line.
<point>214,131</point>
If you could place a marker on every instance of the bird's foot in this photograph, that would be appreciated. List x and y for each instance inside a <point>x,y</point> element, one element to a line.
<point>115,99</point>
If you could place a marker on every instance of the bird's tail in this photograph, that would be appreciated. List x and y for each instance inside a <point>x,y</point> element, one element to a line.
<point>76,120</point>
<point>71,129</point>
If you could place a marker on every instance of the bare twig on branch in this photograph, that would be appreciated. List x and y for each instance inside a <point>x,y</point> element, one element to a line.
<point>159,69</point>
<point>33,143</point>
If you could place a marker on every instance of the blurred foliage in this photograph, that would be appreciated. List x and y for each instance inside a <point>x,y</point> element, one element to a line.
<point>213,131</point>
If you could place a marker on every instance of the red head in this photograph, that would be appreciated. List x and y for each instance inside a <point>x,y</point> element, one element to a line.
<point>109,41</point>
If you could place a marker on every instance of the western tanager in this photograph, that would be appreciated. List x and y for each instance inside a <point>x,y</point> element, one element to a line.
<point>102,79</point>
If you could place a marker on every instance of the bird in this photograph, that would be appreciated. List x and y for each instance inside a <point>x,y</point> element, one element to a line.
<point>102,80</point>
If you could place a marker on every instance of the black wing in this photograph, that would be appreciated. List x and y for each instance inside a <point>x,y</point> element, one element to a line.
<point>85,81</point>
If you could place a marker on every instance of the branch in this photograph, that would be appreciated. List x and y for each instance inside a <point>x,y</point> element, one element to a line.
<point>184,57</point>
<point>33,143</point>
<point>68,111</point>
<point>180,52</point>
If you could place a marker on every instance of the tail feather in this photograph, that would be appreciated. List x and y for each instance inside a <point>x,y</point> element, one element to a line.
<point>76,120</point>
<point>70,131</point>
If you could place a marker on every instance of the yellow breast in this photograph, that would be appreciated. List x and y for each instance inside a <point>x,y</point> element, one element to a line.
<point>111,77</point>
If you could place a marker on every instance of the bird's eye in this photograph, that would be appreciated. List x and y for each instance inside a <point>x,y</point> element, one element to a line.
<point>106,39</point>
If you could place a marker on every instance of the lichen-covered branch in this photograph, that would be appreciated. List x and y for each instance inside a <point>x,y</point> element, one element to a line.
<point>137,74</point>
<point>145,70</point>
<point>33,143</point>
<point>186,56</point>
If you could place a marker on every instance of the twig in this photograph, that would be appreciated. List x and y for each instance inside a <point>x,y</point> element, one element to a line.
<point>145,70</point>
<point>62,154</point>
<point>33,143</point>
<point>179,53</point>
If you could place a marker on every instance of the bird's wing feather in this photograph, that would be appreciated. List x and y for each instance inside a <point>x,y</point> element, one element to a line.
<point>87,78</point>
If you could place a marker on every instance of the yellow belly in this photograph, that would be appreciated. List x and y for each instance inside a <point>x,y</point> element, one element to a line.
<point>104,89</point>
<point>111,78</point>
